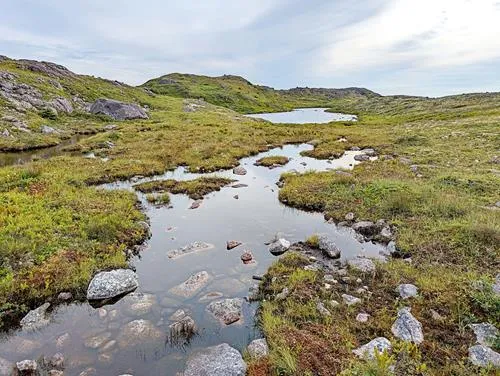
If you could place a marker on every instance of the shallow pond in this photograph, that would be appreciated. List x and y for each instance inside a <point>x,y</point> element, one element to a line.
<point>304,116</point>
<point>254,218</point>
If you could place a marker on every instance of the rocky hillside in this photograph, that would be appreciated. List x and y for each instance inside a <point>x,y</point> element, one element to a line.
<point>241,95</point>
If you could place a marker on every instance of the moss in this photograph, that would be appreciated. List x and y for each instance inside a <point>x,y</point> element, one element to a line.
<point>272,161</point>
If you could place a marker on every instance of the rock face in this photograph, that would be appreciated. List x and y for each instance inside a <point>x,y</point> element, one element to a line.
<point>407,290</point>
<point>190,248</point>
<point>362,264</point>
<point>227,311</point>
<point>258,348</point>
<point>118,110</point>
<point>328,247</point>
<point>483,356</point>
<point>107,285</point>
<point>407,327</point>
<point>367,351</point>
<point>279,246</point>
<point>36,318</point>
<point>486,333</point>
<point>191,286</point>
<point>221,360</point>
<point>138,332</point>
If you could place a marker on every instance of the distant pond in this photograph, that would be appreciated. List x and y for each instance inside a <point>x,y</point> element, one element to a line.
<point>304,116</point>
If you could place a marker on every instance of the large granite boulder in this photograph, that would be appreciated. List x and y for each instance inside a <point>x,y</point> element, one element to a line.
<point>118,110</point>
<point>107,285</point>
<point>220,360</point>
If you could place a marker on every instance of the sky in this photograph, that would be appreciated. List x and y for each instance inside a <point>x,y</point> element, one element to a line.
<point>414,47</point>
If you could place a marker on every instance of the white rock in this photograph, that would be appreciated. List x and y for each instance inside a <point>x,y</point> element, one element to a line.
<point>221,360</point>
<point>367,351</point>
<point>106,285</point>
<point>407,327</point>
<point>483,356</point>
<point>407,290</point>
<point>258,348</point>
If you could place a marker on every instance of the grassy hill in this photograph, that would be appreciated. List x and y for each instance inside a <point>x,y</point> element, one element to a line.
<point>238,94</point>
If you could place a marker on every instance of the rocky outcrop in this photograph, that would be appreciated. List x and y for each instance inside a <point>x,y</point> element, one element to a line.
<point>44,67</point>
<point>221,360</point>
<point>118,110</point>
<point>107,285</point>
<point>486,334</point>
<point>407,327</point>
<point>228,311</point>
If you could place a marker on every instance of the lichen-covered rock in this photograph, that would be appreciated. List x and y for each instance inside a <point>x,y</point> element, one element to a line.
<point>107,285</point>
<point>367,351</point>
<point>279,246</point>
<point>407,327</point>
<point>36,318</point>
<point>407,290</point>
<point>258,348</point>
<point>220,360</point>
<point>483,356</point>
<point>192,285</point>
<point>486,334</point>
<point>118,110</point>
<point>138,332</point>
<point>328,247</point>
<point>361,264</point>
<point>228,311</point>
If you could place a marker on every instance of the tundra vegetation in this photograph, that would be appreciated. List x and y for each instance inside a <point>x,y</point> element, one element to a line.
<point>436,181</point>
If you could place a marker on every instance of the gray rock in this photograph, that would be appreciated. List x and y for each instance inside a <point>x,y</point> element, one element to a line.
<point>62,105</point>
<point>45,129</point>
<point>192,285</point>
<point>107,285</point>
<point>110,127</point>
<point>196,204</point>
<point>97,341</point>
<point>57,361</point>
<point>362,264</point>
<point>227,311</point>
<point>36,318</point>
<point>138,332</point>
<point>230,244</point>
<point>350,300</point>
<point>367,351</point>
<point>6,367</point>
<point>483,356</point>
<point>386,234</point>
<point>65,296</point>
<point>221,360</point>
<point>258,348</point>
<point>362,317</point>
<point>190,248</point>
<point>328,247</point>
<point>361,158</point>
<point>239,170</point>
<point>283,294</point>
<point>139,304</point>
<point>88,372</point>
<point>118,110</point>
<point>322,309</point>
<point>63,340</point>
<point>407,290</point>
<point>407,327</point>
<point>370,152</point>
<point>183,328</point>
<point>55,372</point>
<point>349,216</point>
<point>279,246</point>
<point>496,285</point>
<point>27,367</point>
<point>486,334</point>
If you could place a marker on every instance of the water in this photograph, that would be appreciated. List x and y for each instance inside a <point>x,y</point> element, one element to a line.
<point>304,116</point>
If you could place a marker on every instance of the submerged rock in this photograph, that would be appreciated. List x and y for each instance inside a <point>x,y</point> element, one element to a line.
<point>138,332</point>
<point>97,340</point>
<point>191,286</point>
<point>367,351</point>
<point>107,285</point>
<point>138,304</point>
<point>227,311</point>
<point>258,348</point>
<point>118,110</point>
<point>407,327</point>
<point>483,356</point>
<point>220,360</point>
<point>279,246</point>
<point>190,248</point>
<point>407,290</point>
<point>183,328</point>
<point>36,318</point>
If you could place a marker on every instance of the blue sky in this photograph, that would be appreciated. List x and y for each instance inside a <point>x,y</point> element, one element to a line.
<point>425,47</point>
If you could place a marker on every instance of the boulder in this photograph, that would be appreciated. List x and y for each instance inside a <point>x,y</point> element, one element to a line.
<point>328,247</point>
<point>220,360</point>
<point>192,285</point>
<point>228,311</point>
<point>36,318</point>
<point>366,228</point>
<point>118,110</point>
<point>367,351</point>
<point>279,246</point>
<point>483,356</point>
<point>258,348</point>
<point>138,332</point>
<point>239,170</point>
<point>486,334</point>
<point>407,290</point>
<point>190,248</point>
<point>107,285</point>
<point>407,327</point>
<point>361,264</point>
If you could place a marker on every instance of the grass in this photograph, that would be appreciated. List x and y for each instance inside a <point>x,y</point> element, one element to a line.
<point>273,160</point>
<point>158,199</point>
<point>195,189</point>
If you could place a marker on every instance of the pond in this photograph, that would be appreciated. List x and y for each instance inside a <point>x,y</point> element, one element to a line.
<point>97,337</point>
<point>304,116</point>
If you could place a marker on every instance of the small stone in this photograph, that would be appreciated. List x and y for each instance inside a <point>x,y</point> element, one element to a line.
<point>362,317</point>
<point>230,244</point>
<point>407,327</point>
<point>366,228</point>
<point>258,348</point>
<point>247,257</point>
<point>107,285</point>
<point>239,170</point>
<point>279,247</point>
<point>45,129</point>
<point>108,346</point>
<point>328,247</point>
<point>139,304</point>
<point>407,290</point>
<point>57,360</point>
<point>236,197</point>
<point>283,294</point>
<point>239,185</point>
<point>185,327</point>
<point>386,234</point>
<point>105,358</point>
<point>349,217</point>
<point>483,356</point>
<point>211,296</point>
<point>367,351</point>
<point>137,333</point>
<point>322,309</point>
<point>334,303</point>
<point>64,296</point>
<point>436,316</point>
<point>486,334</point>
<point>189,248</point>
<point>350,300</point>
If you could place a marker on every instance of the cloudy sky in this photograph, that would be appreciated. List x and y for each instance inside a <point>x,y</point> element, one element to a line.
<point>421,47</point>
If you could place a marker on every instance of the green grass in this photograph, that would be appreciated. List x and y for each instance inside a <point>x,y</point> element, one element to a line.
<point>274,160</point>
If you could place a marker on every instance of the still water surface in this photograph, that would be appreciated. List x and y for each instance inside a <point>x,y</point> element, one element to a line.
<point>304,116</point>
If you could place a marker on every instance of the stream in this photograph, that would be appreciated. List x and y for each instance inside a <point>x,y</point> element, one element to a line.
<point>97,338</point>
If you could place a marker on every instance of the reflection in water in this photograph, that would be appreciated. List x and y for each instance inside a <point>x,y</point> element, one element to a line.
<point>99,338</point>
<point>304,116</point>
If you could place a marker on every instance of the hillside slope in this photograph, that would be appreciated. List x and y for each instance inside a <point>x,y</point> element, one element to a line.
<point>241,95</point>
